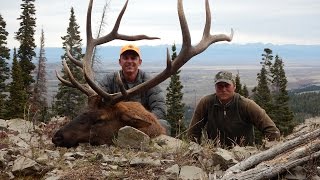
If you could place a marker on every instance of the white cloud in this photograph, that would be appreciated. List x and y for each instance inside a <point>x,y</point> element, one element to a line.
<point>274,21</point>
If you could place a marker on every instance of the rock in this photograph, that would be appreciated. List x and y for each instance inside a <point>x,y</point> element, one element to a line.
<point>3,160</point>
<point>43,158</point>
<point>170,159</point>
<point>224,158</point>
<point>114,160</point>
<point>52,154</point>
<point>6,175</point>
<point>175,169</point>
<point>192,172</point>
<point>3,124</point>
<point>18,141</point>
<point>20,125</point>
<point>129,137</point>
<point>73,155</point>
<point>137,161</point>
<point>167,143</point>
<point>195,148</point>
<point>53,175</point>
<point>315,177</point>
<point>113,174</point>
<point>25,166</point>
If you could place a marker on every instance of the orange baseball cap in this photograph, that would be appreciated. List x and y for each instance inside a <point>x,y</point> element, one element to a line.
<point>130,47</point>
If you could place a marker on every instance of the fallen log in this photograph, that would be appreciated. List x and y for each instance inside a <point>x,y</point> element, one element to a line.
<point>280,164</point>
<point>306,145</point>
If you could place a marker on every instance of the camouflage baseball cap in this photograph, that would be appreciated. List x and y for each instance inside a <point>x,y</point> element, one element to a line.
<point>224,76</point>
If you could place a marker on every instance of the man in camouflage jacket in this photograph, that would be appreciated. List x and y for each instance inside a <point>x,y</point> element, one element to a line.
<point>229,117</point>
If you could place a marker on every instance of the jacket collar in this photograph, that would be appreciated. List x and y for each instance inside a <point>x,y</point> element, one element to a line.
<point>217,102</point>
<point>138,79</point>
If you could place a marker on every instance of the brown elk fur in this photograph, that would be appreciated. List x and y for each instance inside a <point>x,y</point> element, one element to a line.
<point>134,112</point>
<point>100,126</point>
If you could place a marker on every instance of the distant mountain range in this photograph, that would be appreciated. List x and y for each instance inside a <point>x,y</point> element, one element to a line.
<point>216,54</point>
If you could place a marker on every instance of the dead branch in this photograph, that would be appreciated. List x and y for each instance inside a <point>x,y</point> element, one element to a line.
<point>305,145</point>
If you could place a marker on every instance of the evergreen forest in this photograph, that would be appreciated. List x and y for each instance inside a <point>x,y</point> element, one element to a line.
<point>23,95</point>
<point>305,102</point>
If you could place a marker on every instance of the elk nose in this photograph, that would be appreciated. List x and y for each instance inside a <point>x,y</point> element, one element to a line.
<point>57,138</point>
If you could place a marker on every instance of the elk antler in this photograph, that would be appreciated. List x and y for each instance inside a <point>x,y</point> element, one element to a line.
<point>187,52</point>
<point>91,88</point>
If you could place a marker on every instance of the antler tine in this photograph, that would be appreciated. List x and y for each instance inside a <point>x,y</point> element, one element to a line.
<point>74,60</point>
<point>168,60</point>
<point>186,39</point>
<point>87,59</point>
<point>120,84</point>
<point>65,82</point>
<point>207,38</point>
<point>82,87</point>
<point>115,35</point>
<point>186,53</point>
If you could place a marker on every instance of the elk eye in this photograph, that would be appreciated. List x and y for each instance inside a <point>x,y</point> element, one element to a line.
<point>98,122</point>
<point>83,121</point>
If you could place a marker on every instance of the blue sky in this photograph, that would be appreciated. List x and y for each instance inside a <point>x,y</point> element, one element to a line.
<point>273,21</point>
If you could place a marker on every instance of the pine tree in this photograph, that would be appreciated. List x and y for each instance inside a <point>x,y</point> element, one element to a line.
<point>261,93</point>
<point>18,96</point>
<point>174,101</point>
<point>267,58</point>
<point>39,97</point>
<point>245,91</point>
<point>69,101</point>
<point>25,36</point>
<point>238,84</point>
<point>282,115</point>
<point>241,89</point>
<point>4,68</point>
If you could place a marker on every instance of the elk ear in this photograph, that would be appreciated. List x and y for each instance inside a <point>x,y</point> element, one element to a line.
<point>134,114</point>
<point>134,120</point>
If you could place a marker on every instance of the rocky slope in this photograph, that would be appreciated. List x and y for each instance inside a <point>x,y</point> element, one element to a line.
<point>26,152</point>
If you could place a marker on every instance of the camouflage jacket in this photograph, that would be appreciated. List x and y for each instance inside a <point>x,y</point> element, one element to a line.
<point>153,99</point>
<point>231,123</point>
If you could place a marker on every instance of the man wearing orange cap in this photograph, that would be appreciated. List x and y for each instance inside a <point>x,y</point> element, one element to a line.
<point>153,99</point>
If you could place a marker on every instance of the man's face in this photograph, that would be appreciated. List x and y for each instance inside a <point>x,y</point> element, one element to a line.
<point>130,62</point>
<point>225,91</point>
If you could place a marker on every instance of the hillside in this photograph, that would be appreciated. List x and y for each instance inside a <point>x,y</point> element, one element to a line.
<point>298,76</point>
<point>217,54</point>
<point>26,152</point>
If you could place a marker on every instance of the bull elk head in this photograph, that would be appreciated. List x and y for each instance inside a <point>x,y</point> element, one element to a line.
<point>101,122</point>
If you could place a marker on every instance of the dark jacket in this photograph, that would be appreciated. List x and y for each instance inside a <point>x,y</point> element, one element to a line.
<point>232,123</point>
<point>153,99</point>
